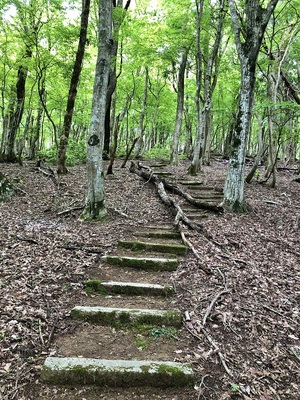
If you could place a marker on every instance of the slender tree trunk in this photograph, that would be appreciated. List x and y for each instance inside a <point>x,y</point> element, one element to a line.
<point>95,205</point>
<point>62,150</point>
<point>140,143</point>
<point>112,83</point>
<point>180,107</point>
<point>195,166</point>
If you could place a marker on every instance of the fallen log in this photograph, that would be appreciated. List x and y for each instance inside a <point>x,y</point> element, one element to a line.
<point>149,176</point>
<point>176,190</point>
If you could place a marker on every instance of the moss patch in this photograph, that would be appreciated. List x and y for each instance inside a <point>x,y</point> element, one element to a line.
<point>178,249</point>
<point>154,264</point>
<point>95,286</point>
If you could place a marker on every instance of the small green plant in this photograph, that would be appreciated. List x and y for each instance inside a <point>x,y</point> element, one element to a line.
<point>163,331</point>
<point>234,387</point>
<point>141,342</point>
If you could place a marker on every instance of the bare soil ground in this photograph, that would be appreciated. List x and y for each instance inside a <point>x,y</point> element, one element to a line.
<point>253,325</point>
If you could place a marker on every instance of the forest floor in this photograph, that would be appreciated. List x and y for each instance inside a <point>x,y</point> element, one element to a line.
<point>46,254</point>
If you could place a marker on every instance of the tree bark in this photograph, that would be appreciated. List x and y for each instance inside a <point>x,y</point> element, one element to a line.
<point>8,151</point>
<point>95,204</point>
<point>62,150</point>
<point>248,38</point>
<point>179,109</point>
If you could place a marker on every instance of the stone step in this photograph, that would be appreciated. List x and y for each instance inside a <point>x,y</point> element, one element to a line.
<point>196,216</point>
<point>178,249</point>
<point>163,173</point>
<point>190,183</point>
<point>116,373</point>
<point>129,288</point>
<point>126,317</point>
<point>207,195</point>
<point>160,165</point>
<point>159,234</point>
<point>147,263</point>
<point>200,187</point>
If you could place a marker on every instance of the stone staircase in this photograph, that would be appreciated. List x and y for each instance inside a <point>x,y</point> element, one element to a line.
<point>153,251</point>
<point>130,295</point>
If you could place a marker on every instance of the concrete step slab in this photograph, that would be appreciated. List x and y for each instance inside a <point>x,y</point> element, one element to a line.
<point>196,216</point>
<point>200,187</point>
<point>170,248</point>
<point>128,288</point>
<point>190,183</point>
<point>145,263</point>
<point>159,234</point>
<point>116,373</point>
<point>126,317</point>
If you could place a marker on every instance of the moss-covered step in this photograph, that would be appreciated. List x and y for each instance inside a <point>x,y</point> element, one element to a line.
<point>208,195</point>
<point>129,288</point>
<point>159,234</point>
<point>196,216</point>
<point>126,317</point>
<point>178,249</point>
<point>200,188</point>
<point>116,373</point>
<point>145,263</point>
<point>190,183</point>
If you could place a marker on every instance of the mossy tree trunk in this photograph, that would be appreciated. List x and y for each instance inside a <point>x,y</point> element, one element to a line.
<point>8,151</point>
<point>6,187</point>
<point>248,40</point>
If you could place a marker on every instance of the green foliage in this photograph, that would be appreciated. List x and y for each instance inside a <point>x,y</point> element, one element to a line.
<point>157,153</point>
<point>163,331</point>
<point>76,153</point>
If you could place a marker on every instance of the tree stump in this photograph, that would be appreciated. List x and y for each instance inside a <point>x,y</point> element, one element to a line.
<point>6,187</point>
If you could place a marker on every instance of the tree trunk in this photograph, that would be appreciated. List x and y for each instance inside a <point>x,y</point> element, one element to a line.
<point>8,151</point>
<point>112,83</point>
<point>248,45</point>
<point>95,205</point>
<point>62,151</point>
<point>179,110</point>
<point>140,143</point>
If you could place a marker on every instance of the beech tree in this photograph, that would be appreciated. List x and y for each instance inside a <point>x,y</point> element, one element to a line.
<point>249,25</point>
<point>95,204</point>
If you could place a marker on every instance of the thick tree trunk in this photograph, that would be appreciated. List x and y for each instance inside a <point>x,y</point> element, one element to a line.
<point>234,184</point>
<point>248,42</point>
<point>8,151</point>
<point>95,205</point>
<point>62,151</point>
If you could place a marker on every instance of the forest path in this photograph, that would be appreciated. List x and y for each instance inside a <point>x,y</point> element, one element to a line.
<point>130,323</point>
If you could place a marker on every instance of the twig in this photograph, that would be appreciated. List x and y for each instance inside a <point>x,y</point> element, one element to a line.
<point>70,210</point>
<point>296,351</point>
<point>200,385</point>
<point>279,313</point>
<point>204,268</point>
<point>223,276</point>
<point>23,239</point>
<point>40,333</point>
<point>221,357</point>
<point>216,348</point>
<point>211,305</point>
<point>50,337</point>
